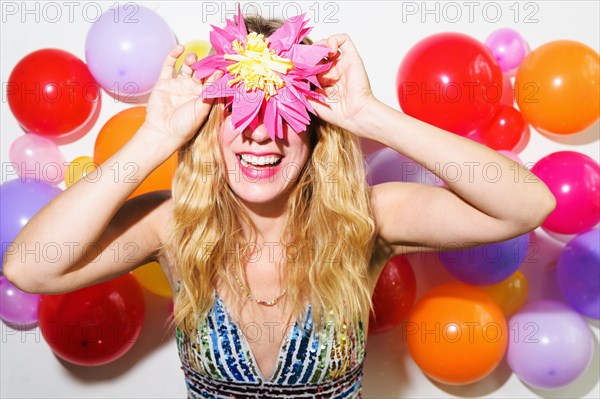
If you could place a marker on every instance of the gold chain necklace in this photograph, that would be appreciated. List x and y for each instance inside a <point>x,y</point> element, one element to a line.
<point>247,292</point>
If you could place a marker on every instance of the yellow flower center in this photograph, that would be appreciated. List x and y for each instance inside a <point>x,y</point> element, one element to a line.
<point>256,65</point>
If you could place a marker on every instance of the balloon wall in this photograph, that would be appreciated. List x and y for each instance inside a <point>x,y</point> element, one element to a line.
<point>517,318</point>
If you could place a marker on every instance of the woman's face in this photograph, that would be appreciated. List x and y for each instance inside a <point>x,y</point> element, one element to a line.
<point>258,169</point>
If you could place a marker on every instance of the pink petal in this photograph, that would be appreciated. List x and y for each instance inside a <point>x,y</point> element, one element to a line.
<point>307,55</point>
<point>300,95</point>
<point>293,117</point>
<point>221,40</point>
<point>270,116</point>
<point>292,122</point>
<point>279,126</point>
<point>289,33</point>
<point>292,101</point>
<point>219,88</point>
<point>231,26</point>
<point>208,65</point>
<point>244,111</point>
<point>240,21</point>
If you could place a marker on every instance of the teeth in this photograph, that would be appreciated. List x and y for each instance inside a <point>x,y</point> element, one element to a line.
<point>254,160</point>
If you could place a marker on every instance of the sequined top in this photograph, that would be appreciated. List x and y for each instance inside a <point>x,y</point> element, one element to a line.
<point>312,362</point>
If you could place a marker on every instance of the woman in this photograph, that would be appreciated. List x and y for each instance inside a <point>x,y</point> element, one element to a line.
<point>282,225</point>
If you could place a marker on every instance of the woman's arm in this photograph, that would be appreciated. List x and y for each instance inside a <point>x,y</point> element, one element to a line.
<point>96,234</point>
<point>489,197</point>
<point>100,234</point>
<point>492,199</point>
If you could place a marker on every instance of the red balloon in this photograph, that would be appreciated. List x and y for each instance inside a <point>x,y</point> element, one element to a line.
<point>451,81</point>
<point>505,131</point>
<point>94,325</point>
<point>394,295</point>
<point>52,93</point>
<point>508,91</point>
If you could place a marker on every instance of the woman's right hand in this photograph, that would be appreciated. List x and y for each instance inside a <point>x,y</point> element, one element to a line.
<point>175,109</point>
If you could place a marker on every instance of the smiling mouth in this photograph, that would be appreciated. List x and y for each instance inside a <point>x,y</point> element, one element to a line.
<point>262,162</point>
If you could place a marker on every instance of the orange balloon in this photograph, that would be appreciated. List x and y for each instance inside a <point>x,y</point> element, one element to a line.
<point>152,278</point>
<point>509,294</point>
<point>557,87</point>
<point>114,134</point>
<point>457,334</point>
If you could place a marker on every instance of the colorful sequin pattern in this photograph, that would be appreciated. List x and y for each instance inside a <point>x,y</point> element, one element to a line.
<point>312,362</point>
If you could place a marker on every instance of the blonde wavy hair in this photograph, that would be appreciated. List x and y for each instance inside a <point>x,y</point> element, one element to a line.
<point>329,221</point>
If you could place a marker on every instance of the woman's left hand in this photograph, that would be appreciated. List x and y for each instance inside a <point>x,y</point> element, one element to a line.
<point>345,85</point>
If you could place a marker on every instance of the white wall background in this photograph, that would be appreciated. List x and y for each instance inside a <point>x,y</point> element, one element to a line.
<point>383,34</point>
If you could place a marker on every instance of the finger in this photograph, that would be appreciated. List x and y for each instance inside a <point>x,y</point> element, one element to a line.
<point>340,43</point>
<point>322,42</point>
<point>185,72</point>
<point>166,70</point>
<point>186,69</point>
<point>190,59</point>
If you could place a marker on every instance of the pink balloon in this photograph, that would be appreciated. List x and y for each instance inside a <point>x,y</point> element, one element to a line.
<point>38,158</point>
<point>17,306</point>
<point>508,46</point>
<point>574,180</point>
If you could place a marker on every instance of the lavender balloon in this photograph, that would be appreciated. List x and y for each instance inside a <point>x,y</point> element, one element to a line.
<point>486,264</point>
<point>550,345</point>
<point>578,273</point>
<point>21,199</point>
<point>387,165</point>
<point>125,48</point>
<point>508,46</point>
<point>17,306</point>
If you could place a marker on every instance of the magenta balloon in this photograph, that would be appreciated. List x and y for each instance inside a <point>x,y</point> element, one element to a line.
<point>17,306</point>
<point>550,345</point>
<point>508,46</point>
<point>578,273</point>
<point>38,158</point>
<point>387,165</point>
<point>125,48</point>
<point>574,180</point>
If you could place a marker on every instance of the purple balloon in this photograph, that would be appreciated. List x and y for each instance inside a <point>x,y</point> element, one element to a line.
<point>125,49</point>
<point>486,264</point>
<point>578,273</point>
<point>550,345</point>
<point>21,199</point>
<point>508,46</point>
<point>387,165</point>
<point>17,306</point>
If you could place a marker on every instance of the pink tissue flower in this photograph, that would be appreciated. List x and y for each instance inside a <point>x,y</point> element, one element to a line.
<point>268,78</point>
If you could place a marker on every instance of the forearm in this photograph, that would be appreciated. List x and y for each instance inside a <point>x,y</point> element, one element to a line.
<point>489,181</point>
<point>75,219</point>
